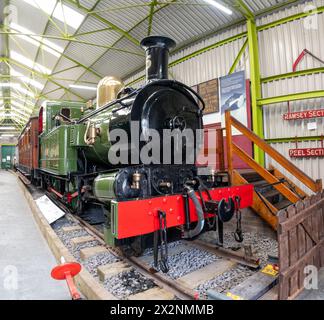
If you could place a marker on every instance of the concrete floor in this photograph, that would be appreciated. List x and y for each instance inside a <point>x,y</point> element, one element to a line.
<point>314,294</point>
<point>25,259</point>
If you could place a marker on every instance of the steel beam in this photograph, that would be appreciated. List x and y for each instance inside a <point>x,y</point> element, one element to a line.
<point>256,93</point>
<point>122,37</point>
<point>292,75</point>
<point>239,56</point>
<point>291,97</point>
<point>76,62</point>
<point>105,21</point>
<point>294,139</point>
<point>4,48</point>
<point>151,15</point>
<point>41,75</point>
<point>69,39</point>
<point>243,8</point>
<point>290,19</point>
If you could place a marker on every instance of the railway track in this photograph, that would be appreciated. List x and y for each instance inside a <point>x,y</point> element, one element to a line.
<point>87,242</point>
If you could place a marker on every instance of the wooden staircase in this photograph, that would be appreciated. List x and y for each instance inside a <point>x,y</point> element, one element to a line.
<point>267,200</point>
<point>273,191</point>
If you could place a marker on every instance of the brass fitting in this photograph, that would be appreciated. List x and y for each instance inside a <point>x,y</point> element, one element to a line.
<point>136,181</point>
<point>165,185</point>
<point>90,134</point>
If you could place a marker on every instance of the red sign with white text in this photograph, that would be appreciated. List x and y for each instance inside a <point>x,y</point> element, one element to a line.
<point>308,114</point>
<point>306,153</point>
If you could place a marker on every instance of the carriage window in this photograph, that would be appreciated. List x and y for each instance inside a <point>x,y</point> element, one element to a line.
<point>66,112</point>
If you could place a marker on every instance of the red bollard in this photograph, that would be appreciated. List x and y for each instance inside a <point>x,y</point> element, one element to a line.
<point>67,271</point>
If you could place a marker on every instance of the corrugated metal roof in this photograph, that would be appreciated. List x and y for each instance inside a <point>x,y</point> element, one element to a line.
<point>118,23</point>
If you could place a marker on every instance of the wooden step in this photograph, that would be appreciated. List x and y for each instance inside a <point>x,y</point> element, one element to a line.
<point>273,196</point>
<point>258,205</point>
<point>261,183</point>
<point>282,204</point>
<point>250,175</point>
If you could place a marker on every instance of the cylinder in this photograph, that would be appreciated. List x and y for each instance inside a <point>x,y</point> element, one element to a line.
<point>157,56</point>
<point>107,90</point>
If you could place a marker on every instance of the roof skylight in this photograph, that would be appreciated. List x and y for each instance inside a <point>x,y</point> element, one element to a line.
<point>62,12</point>
<point>35,40</point>
<point>29,63</point>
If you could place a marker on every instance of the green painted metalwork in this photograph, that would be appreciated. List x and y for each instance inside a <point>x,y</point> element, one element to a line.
<point>104,186</point>
<point>80,34</point>
<point>105,21</point>
<point>7,156</point>
<point>256,93</point>
<point>69,39</point>
<point>64,70</point>
<point>292,75</point>
<point>54,108</point>
<point>243,8</point>
<point>122,37</point>
<point>276,7</point>
<point>111,226</point>
<point>208,48</point>
<point>290,19</point>
<point>294,139</point>
<point>5,52</point>
<point>77,135</point>
<point>58,152</point>
<point>44,76</point>
<point>114,218</point>
<point>57,157</point>
<point>239,56</point>
<point>151,15</point>
<point>292,97</point>
<point>59,60</point>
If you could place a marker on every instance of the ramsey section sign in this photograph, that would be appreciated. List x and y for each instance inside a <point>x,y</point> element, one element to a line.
<point>309,114</point>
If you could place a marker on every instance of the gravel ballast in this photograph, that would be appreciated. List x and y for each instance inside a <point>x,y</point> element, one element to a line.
<point>188,261</point>
<point>184,260</point>
<point>128,283</point>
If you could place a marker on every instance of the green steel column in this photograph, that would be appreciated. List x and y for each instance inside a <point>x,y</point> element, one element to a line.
<point>256,92</point>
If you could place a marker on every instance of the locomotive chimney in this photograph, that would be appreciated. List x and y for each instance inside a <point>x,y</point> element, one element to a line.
<point>157,56</point>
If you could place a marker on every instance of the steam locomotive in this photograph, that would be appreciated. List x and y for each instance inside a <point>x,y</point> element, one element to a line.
<point>142,203</point>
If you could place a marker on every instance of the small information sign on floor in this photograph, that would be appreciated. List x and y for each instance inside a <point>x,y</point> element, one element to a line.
<point>50,211</point>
